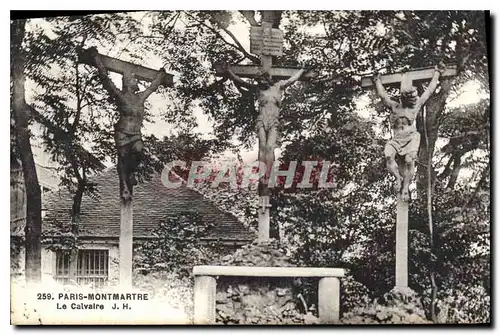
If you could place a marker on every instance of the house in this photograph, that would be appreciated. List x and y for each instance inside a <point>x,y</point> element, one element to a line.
<point>49,182</point>
<point>47,179</point>
<point>99,227</point>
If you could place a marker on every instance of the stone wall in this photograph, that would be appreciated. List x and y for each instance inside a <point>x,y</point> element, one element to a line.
<point>18,262</point>
<point>256,301</point>
<point>253,300</point>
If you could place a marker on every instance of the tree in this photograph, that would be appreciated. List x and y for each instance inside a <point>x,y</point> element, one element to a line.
<point>22,117</point>
<point>77,115</point>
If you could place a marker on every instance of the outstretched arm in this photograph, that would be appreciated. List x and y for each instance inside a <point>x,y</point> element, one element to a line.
<point>292,79</point>
<point>382,92</point>
<point>154,84</point>
<point>431,88</point>
<point>103,74</point>
<point>238,80</point>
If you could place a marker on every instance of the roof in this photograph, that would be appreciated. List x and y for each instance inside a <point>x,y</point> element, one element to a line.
<point>153,202</point>
<point>47,177</point>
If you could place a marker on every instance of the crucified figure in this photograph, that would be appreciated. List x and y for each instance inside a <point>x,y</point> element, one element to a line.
<point>128,137</point>
<point>401,151</point>
<point>269,93</point>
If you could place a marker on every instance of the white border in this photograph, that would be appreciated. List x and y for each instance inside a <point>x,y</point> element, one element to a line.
<point>172,5</point>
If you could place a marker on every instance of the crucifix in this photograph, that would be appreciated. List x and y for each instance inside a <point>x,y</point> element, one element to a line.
<point>401,151</point>
<point>128,137</point>
<point>266,40</point>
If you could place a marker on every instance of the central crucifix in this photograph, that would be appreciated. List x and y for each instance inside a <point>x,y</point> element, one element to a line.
<point>266,41</point>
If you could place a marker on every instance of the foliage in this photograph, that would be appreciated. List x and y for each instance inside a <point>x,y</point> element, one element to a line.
<point>395,307</point>
<point>465,304</point>
<point>16,243</point>
<point>176,245</point>
<point>354,293</point>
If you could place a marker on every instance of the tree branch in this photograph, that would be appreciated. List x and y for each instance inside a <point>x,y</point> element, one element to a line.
<point>78,101</point>
<point>480,183</point>
<point>250,16</point>
<point>238,47</point>
<point>447,169</point>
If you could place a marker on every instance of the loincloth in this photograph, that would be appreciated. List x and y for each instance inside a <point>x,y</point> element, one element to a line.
<point>406,144</point>
<point>266,121</point>
<point>123,139</point>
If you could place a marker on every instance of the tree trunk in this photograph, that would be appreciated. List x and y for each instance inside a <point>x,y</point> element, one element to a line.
<point>433,111</point>
<point>456,170</point>
<point>75,209</point>
<point>33,227</point>
<point>33,194</point>
<point>426,175</point>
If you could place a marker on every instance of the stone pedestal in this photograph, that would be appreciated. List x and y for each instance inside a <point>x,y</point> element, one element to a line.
<point>329,300</point>
<point>204,300</point>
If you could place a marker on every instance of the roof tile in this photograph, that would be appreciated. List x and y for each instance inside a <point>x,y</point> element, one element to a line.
<point>153,202</point>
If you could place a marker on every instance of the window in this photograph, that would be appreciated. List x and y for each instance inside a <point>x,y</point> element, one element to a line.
<point>62,267</point>
<point>85,267</point>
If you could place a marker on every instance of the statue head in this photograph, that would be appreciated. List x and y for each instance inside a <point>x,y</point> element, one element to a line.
<point>409,97</point>
<point>265,81</point>
<point>129,83</point>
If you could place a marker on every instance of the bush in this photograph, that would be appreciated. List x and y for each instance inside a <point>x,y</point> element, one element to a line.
<point>464,304</point>
<point>395,307</point>
<point>353,293</point>
<point>176,246</point>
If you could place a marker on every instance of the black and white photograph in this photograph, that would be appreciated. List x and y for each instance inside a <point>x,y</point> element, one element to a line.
<point>250,167</point>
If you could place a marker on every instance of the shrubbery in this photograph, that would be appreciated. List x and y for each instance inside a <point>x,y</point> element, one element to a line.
<point>395,307</point>
<point>463,305</point>
<point>177,246</point>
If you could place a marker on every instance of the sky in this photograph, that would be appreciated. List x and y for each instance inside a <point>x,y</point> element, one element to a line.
<point>469,94</point>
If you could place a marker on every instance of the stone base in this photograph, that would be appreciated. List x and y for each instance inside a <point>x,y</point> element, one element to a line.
<point>204,300</point>
<point>329,300</point>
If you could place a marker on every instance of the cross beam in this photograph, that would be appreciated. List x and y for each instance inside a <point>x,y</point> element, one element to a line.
<point>121,67</point>
<point>254,71</point>
<point>417,76</point>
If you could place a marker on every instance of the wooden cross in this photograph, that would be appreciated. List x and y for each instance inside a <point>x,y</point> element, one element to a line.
<point>126,207</point>
<point>122,67</point>
<point>405,80</point>
<point>416,76</point>
<point>266,40</point>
